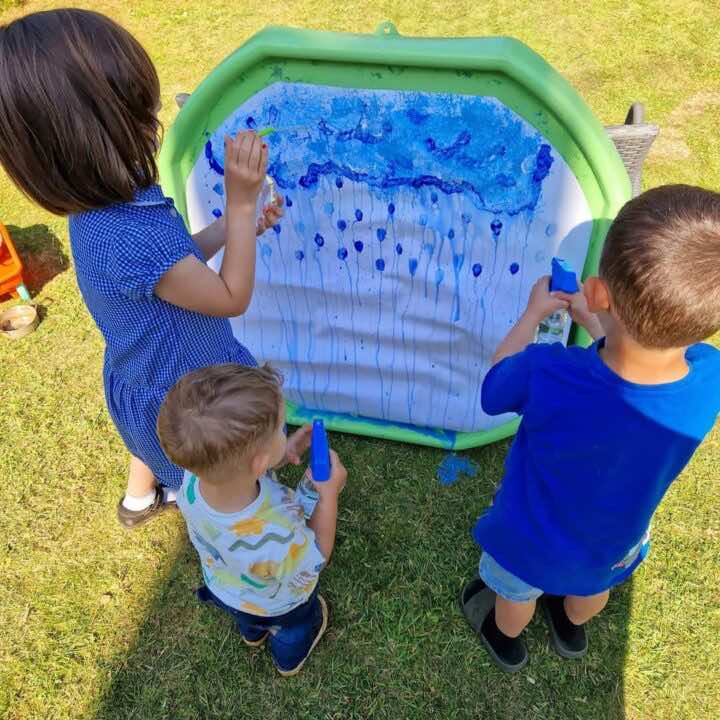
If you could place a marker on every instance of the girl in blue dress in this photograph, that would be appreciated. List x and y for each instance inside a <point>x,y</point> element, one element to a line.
<point>78,134</point>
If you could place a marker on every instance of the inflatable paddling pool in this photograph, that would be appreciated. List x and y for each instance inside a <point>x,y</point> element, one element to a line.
<point>428,182</point>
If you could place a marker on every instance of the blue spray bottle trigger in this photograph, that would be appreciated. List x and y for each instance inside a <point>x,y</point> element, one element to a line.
<point>563,279</point>
<point>319,452</point>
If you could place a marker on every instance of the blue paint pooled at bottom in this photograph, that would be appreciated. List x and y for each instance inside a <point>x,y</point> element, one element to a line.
<point>452,466</point>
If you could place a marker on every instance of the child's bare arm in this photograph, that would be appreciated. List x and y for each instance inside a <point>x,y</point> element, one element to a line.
<point>190,283</point>
<point>212,238</point>
<point>541,304</point>
<point>324,518</point>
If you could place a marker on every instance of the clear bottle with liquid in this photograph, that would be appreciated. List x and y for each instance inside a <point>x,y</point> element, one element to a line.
<point>267,196</point>
<point>552,329</point>
<point>306,493</point>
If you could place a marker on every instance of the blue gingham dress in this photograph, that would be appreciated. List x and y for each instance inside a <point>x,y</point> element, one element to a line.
<point>120,254</point>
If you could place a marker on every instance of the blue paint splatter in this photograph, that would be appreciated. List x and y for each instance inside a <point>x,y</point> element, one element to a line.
<point>319,240</point>
<point>358,215</point>
<point>477,269</point>
<point>265,250</point>
<point>299,255</point>
<point>342,225</point>
<point>514,268</point>
<point>342,253</point>
<point>212,162</point>
<point>381,234</point>
<point>251,123</point>
<point>218,189</point>
<point>466,218</point>
<point>412,266</point>
<point>451,234</point>
<point>380,264</point>
<point>358,245</point>
<point>338,182</point>
<point>543,163</point>
<point>277,229</point>
<point>496,227</point>
<point>288,201</point>
<point>391,208</point>
<point>433,197</point>
<point>399,249</point>
<point>217,212</point>
<point>453,466</point>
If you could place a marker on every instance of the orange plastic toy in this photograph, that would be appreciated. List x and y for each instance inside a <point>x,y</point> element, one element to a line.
<point>11,281</point>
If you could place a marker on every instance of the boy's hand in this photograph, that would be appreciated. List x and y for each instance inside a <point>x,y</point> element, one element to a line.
<point>298,444</point>
<point>271,216</point>
<point>580,314</point>
<point>331,488</point>
<point>542,302</point>
<point>245,168</point>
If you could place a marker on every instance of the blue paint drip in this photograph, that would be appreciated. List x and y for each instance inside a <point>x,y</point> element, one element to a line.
<point>477,269</point>
<point>412,266</point>
<point>338,182</point>
<point>381,234</point>
<point>288,202</point>
<point>342,253</point>
<point>514,267</point>
<point>217,212</point>
<point>358,245</point>
<point>251,123</point>
<point>466,218</point>
<point>380,264</point>
<point>358,215</point>
<point>218,189</point>
<point>496,227</point>
<point>329,208</point>
<point>399,249</point>
<point>391,209</point>
<point>319,240</point>
<point>299,255</point>
<point>212,162</point>
<point>341,225</point>
<point>277,229</point>
<point>453,466</point>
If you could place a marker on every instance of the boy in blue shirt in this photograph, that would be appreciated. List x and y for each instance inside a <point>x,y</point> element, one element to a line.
<point>605,430</point>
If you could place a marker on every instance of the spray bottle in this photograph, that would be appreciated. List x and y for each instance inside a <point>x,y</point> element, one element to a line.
<point>552,328</point>
<point>320,467</point>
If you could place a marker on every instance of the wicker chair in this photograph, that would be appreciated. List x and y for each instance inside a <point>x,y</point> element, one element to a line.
<point>632,139</point>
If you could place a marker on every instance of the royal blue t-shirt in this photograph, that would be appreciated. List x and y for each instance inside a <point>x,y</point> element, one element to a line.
<point>592,459</point>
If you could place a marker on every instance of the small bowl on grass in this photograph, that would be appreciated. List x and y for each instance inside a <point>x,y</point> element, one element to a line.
<point>18,321</point>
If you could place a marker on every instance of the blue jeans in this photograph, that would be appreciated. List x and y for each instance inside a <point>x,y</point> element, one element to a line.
<point>290,635</point>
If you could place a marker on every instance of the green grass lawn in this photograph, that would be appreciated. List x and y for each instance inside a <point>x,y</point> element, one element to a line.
<point>100,623</point>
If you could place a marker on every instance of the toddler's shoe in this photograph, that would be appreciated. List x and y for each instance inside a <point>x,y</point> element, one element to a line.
<point>130,519</point>
<point>477,602</point>
<point>254,638</point>
<point>321,627</point>
<point>568,639</point>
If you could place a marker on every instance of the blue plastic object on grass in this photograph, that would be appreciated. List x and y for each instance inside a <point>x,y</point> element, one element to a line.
<point>319,452</point>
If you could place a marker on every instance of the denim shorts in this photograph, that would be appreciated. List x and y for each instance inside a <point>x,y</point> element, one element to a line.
<point>512,588</point>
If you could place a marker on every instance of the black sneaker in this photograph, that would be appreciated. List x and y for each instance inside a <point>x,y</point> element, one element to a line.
<point>130,519</point>
<point>477,602</point>
<point>568,639</point>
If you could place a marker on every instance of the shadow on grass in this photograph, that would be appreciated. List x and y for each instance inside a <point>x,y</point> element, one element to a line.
<point>397,647</point>
<point>41,253</point>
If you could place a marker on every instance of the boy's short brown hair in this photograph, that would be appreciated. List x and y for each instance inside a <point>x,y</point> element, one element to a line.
<point>78,110</point>
<point>661,262</point>
<point>218,414</point>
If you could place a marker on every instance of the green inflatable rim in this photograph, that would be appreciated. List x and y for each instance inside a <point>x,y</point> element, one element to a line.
<point>494,66</point>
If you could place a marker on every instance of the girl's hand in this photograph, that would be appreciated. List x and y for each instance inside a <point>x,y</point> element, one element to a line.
<point>271,216</point>
<point>298,444</point>
<point>542,302</point>
<point>245,168</point>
